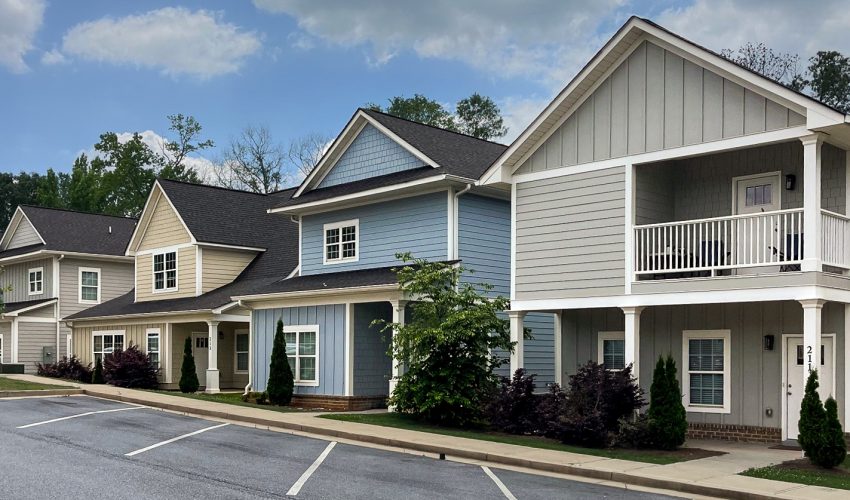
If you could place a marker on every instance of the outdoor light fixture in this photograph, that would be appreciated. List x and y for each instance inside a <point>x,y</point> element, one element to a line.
<point>768,342</point>
<point>790,181</point>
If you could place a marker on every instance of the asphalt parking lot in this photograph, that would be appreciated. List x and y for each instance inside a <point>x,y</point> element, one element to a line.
<point>74,447</point>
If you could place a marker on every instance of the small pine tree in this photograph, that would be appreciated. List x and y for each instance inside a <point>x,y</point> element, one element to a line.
<point>667,418</point>
<point>812,416</point>
<point>833,449</point>
<point>97,375</point>
<point>281,382</point>
<point>188,374</point>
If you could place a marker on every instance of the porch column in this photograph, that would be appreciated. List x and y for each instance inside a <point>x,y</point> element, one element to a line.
<point>811,335</point>
<point>558,337</point>
<point>349,349</point>
<point>398,365</point>
<point>14,345</point>
<point>165,348</point>
<point>212,366</point>
<point>632,338</point>
<point>811,202</point>
<point>518,337</point>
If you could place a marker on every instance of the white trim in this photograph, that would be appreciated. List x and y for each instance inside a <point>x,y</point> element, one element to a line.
<point>298,329</point>
<point>141,230</point>
<point>513,242</point>
<point>2,359</point>
<point>27,319</point>
<point>349,349</point>
<point>102,333</point>
<point>229,247</point>
<point>558,334</point>
<point>236,333</point>
<point>785,337</point>
<point>7,235</point>
<point>199,270</point>
<point>148,333</point>
<point>451,215</point>
<point>69,344</point>
<point>322,173</point>
<point>39,253</point>
<point>166,289</point>
<point>601,337</point>
<point>339,226</point>
<point>80,271</point>
<point>776,173</point>
<point>33,307</point>
<point>14,334</point>
<point>300,246</point>
<point>726,336</point>
<point>170,248</point>
<point>30,281</point>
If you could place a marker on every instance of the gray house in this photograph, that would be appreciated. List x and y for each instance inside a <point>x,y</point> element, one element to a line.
<point>56,263</point>
<point>671,201</point>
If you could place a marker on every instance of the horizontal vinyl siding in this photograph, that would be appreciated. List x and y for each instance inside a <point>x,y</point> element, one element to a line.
<point>570,238</point>
<point>133,334</point>
<point>164,229</point>
<point>417,225</point>
<point>484,241</point>
<point>24,235</point>
<point>6,332</point>
<point>221,267</point>
<point>32,338</point>
<point>16,276</point>
<point>185,276</point>
<point>116,279</point>
<point>370,154</point>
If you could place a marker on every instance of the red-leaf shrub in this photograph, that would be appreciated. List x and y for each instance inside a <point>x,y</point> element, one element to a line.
<point>130,368</point>
<point>514,409</point>
<point>67,368</point>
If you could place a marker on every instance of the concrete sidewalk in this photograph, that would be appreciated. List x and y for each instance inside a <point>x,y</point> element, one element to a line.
<point>714,476</point>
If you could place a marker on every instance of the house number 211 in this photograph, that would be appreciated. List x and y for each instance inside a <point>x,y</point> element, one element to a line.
<point>809,352</point>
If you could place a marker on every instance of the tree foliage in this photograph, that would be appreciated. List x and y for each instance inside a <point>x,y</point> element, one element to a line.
<point>812,415</point>
<point>188,372</point>
<point>130,368</point>
<point>760,58</point>
<point>830,79</point>
<point>667,418</point>
<point>306,151</point>
<point>253,161</point>
<point>833,449</point>
<point>281,382</point>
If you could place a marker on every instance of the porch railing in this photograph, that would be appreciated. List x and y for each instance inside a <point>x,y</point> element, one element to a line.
<point>835,239</point>
<point>709,245</point>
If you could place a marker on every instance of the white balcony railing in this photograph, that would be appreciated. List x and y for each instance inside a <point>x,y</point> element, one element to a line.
<point>835,232</point>
<point>709,245</point>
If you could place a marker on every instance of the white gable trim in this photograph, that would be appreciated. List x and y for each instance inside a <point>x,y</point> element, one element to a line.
<point>147,216</point>
<point>18,217</point>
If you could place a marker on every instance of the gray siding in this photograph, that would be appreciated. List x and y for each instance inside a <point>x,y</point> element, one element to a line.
<point>16,276</point>
<point>6,332</point>
<point>654,187</point>
<point>370,154</point>
<point>32,338</point>
<point>570,236</point>
<point>372,364</point>
<point>331,321</point>
<point>24,235</point>
<point>417,225</point>
<point>656,100</point>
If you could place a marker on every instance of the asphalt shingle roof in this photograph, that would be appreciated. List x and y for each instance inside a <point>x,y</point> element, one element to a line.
<point>17,306</point>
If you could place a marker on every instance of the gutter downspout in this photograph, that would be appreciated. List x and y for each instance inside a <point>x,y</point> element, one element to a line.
<point>57,289</point>
<point>455,218</point>
<point>250,348</point>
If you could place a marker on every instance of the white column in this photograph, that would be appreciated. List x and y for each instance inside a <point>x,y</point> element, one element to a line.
<point>811,202</point>
<point>518,337</point>
<point>398,367</point>
<point>349,349</point>
<point>632,338</point>
<point>166,358</point>
<point>14,345</point>
<point>212,367</point>
<point>558,337</point>
<point>846,360</point>
<point>811,335</point>
<point>629,229</point>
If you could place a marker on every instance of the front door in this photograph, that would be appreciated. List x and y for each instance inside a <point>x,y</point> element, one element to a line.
<point>794,366</point>
<point>755,239</point>
<point>201,352</point>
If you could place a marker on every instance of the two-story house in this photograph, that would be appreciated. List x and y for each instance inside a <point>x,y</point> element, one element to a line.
<point>194,248</point>
<point>55,263</point>
<point>385,185</point>
<point>671,201</point>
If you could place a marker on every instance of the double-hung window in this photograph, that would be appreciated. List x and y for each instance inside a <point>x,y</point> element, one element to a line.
<point>165,271</point>
<point>302,350</point>
<point>706,359</point>
<point>104,343</point>
<point>612,350</point>
<point>153,345</point>
<point>341,241</point>
<point>36,281</point>
<point>241,352</point>
<point>89,285</point>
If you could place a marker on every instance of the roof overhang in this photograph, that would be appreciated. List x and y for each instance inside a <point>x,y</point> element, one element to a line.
<point>18,217</point>
<point>50,253</point>
<point>34,307</point>
<point>167,316</point>
<point>350,294</point>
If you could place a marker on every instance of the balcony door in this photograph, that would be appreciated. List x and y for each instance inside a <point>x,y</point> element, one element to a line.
<point>755,236</point>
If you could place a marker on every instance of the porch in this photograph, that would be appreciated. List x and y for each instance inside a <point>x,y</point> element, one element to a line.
<point>220,350</point>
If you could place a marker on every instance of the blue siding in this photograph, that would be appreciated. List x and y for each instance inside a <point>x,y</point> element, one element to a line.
<point>418,225</point>
<point>331,321</point>
<point>370,154</point>
<point>372,365</point>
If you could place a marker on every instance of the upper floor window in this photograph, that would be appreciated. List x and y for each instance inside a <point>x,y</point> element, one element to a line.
<point>89,285</point>
<point>36,281</point>
<point>341,241</point>
<point>165,271</point>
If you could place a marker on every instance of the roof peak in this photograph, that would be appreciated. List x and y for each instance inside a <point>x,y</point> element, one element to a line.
<point>81,212</point>
<point>368,110</point>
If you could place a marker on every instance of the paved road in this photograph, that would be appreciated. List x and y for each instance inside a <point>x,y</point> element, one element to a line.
<point>109,449</point>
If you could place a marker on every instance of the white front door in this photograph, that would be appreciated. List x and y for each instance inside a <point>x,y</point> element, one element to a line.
<point>201,352</point>
<point>755,194</point>
<point>794,365</point>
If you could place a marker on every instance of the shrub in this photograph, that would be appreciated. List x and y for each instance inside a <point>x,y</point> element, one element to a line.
<point>281,382</point>
<point>515,408</point>
<point>812,416</point>
<point>634,433</point>
<point>260,398</point>
<point>188,373</point>
<point>833,449</point>
<point>67,368</point>
<point>550,408</point>
<point>130,368</point>
<point>97,376</point>
<point>667,419</point>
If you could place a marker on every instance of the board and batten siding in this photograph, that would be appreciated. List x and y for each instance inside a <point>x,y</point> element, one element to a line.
<point>220,267</point>
<point>6,333</point>
<point>418,225</point>
<point>372,364</point>
<point>656,100</point>
<point>25,235</point>
<point>186,276</point>
<point>370,154</point>
<point>331,344</point>
<point>16,276</point>
<point>164,228</point>
<point>570,236</point>
<point>32,339</point>
<point>133,334</point>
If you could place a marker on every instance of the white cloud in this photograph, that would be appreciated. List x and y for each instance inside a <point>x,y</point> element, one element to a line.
<point>174,40</point>
<point>19,22</point>
<point>53,57</point>
<point>540,39</point>
<point>519,112</point>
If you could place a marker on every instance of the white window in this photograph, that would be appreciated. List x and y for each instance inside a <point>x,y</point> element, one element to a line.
<point>89,285</point>
<point>165,271</point>
<point>241,349</point>
<point>153,345</point>
<point>36,281</point>
<point>611,351</point>
<point>706,359</point>
<point>342,241</point>
<point>104,343</point>
<point>302,350</point>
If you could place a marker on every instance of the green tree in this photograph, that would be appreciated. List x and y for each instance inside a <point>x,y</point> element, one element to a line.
<point>86,190</point>
<point>667,418</point>
<point>254,161</point>
<point>479,116</point>
<point>187,142</point>
<point>188,374</point>
<point>830,79</point>
<point>446,345</point>
<point>833,449</point>
<point>419,109</point>
<point>812,416</point>
<point>97,374</point>
<point>50,191</point>
<point>129,169</point>
<point>281,382</point>
<point>760,58</point>
<point>17,189</point>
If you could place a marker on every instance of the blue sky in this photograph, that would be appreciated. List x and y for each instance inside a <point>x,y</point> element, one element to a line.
<point>72,70</point>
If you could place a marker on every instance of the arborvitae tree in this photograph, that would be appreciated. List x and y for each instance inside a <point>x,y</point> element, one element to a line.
<point>667,421</point>
<point>188,374</point>
<point>833,449</point>
<point>812,416</point>
<point>97,375</point>
<point>281,382</point>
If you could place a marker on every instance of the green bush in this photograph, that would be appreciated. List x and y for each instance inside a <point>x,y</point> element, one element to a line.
<point>667,419</point>
<point>812,416</point>
<point>97,375</point>
<point>188,374</point>
<point>833,449</point>
<point>281,382</point>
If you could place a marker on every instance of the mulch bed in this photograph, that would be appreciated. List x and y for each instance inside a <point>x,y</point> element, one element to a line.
<point>803,464</point>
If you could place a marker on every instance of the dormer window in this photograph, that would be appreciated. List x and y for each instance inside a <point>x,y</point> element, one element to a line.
<point>341,241</point>
<point>165,272</point>
<point>36,281</point>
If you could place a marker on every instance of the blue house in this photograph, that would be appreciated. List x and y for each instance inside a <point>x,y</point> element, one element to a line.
<point>386,185</point>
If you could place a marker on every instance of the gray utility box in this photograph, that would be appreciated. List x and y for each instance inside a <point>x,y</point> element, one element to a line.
<point>48,355</point>
<point>12,368</point>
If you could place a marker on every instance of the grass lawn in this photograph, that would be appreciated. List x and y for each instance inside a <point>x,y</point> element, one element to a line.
<point>803,472</point>
<point>406,422</point>
<point>10,384</point>
<point>230,398</point>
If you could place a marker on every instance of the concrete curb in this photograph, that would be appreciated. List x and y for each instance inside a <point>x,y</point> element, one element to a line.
<point>41,392</point>
<point>621,477</point>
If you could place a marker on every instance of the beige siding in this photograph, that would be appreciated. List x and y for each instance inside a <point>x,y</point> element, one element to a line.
<point>220,266</point>
<point>17,277</point>
<point>32,339</point>
<point>570,235</point>
<point>656,100</point>
<point>226,351</point>
<point>185,276</point>
<point>133,334</point>
<point>164,228</point>
<point>24,235</point>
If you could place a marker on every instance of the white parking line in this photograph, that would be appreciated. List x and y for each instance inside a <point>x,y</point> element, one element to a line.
<point>178,438</point>
<point>80,415</point>
<point>499,483</point>
<point>309,472</point>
